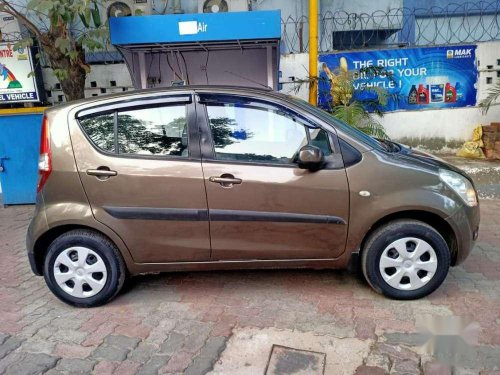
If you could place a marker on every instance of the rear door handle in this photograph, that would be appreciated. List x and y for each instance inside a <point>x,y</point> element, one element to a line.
<point>101,172</point>
<point>226,180</point>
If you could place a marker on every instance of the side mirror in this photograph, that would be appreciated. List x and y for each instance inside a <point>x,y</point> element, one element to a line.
<point>311,157</point>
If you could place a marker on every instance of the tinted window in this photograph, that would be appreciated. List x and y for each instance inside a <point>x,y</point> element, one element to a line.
<point>153,131</point>
<point>100,130</point>
<point>319,138</point>
<point>146,131</point>
<point>256,134</point>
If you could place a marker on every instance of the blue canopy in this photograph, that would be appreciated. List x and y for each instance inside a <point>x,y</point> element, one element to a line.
<point>195,28</point>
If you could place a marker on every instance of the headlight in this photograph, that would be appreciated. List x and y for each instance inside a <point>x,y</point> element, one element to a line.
<point>460,185</point>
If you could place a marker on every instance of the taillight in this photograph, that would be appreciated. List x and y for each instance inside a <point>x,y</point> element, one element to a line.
<point>45,158</point>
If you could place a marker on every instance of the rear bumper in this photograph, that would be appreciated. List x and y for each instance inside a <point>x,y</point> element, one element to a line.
<point>38,226</point>
<point>465,224</point>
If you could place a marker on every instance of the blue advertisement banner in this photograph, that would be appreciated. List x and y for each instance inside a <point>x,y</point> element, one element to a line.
<point>417,78</point>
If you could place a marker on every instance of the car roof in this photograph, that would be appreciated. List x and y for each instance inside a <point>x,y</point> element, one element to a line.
<point>198,88</point>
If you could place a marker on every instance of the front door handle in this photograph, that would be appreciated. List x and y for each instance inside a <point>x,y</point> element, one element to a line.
<point>226,180</point>
<point>101,172</point>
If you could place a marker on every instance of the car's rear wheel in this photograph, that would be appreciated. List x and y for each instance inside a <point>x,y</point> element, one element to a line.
<point>83,268</point>
<point>405,259</point>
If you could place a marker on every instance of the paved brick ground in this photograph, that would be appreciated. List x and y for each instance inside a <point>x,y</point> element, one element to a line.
<point>181,323</point>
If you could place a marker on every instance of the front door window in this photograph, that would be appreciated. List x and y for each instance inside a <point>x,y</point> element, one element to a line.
<point>263,134</point>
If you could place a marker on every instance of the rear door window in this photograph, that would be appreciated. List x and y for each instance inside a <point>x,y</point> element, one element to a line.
<point>159,130</point>
<point>153,131</point>
<point>100,130</point>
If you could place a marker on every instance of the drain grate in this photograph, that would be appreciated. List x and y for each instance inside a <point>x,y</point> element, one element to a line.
<point>288,361</point>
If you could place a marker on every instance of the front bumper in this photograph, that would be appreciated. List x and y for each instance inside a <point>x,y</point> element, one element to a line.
<point>465,224</point>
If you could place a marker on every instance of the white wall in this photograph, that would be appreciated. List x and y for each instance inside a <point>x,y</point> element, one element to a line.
<point>102,75</point>
<point>432,128</point>
<point>360,6</point>
<point>294,67</point>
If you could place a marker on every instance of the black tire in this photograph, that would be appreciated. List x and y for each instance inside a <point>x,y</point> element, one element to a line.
<point>386,235</point>
<point>101,245</point>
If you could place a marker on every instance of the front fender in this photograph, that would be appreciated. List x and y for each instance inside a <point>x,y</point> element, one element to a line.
<point>393,188</point>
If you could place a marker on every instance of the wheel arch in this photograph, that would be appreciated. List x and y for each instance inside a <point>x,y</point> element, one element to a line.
<point>43,242</point>
<point>430,218</point>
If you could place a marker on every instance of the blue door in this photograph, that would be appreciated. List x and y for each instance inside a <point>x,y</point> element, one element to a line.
<point>19,147</point>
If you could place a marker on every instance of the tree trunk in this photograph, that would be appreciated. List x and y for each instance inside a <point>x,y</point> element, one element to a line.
<point>73,84</point>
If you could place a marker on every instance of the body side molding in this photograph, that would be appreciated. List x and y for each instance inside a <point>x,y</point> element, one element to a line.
<point>192,214</point>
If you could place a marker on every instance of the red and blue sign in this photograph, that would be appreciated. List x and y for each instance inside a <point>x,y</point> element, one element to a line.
<point>17,83</point>
<point>415,78</point>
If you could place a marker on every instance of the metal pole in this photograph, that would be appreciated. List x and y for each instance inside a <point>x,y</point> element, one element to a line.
<point>313,51</point>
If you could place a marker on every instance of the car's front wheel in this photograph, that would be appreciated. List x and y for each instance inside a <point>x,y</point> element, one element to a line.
<point>83,268</point>
<point>405,259</point>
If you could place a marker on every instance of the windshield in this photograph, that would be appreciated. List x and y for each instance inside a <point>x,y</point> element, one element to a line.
<point>342,126</point>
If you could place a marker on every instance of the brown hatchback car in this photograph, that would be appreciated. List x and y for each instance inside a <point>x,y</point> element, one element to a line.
<point>199,178</point>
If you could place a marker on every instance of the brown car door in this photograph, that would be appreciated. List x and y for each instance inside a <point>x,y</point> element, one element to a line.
<point>261,205</point>
<point>139,162</point>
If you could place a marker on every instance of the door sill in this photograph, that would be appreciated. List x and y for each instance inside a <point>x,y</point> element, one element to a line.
<point>325,263</point>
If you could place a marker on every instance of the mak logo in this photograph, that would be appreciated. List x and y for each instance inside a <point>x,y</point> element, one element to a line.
<point>192,27</point>
<point>459,53</point>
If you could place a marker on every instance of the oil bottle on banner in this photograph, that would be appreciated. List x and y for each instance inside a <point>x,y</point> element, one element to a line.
<point>450,93</point>
<point>435,92</point>
<point>420,95</point>
<point>423,94</point>
<point>412,97</point>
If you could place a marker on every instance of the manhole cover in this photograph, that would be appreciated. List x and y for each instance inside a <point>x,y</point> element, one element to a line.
<point>284,361</point>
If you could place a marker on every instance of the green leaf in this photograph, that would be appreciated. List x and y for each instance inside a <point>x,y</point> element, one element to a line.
<point>96,16</point>
<point>66,17</point>
<point>42,6</point>
<point>54,18</point>
<point>23,43</point>
<point>84,20</point>
<point>32,4</point>
<point>60,74</point>
<point>63,44</point>
<point>90,43</point>
<point>73,55</point>
<point>491,98</point>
